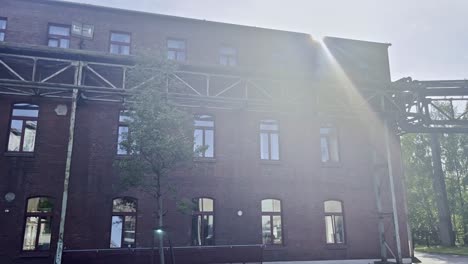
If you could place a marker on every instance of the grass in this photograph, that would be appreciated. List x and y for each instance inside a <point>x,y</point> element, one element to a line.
<point>443,250</point>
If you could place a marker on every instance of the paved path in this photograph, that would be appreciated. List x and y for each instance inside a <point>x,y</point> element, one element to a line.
<point>427,258</point>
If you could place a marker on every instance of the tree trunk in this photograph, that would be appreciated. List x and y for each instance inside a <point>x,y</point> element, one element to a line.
<point>445,222</point>
<point>161,235</point>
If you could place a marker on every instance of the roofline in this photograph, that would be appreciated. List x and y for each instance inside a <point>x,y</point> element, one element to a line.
<point>115,9</point>
<point>358,40</point>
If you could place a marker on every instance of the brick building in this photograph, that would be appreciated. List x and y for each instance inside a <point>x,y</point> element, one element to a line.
<point>292,165</point>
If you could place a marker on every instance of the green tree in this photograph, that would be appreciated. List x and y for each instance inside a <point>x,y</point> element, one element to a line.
<point>160,137</point>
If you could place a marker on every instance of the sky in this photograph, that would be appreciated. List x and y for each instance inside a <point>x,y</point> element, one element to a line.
<point>429,37</point>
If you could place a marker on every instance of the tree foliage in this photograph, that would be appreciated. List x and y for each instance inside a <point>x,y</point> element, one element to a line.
<point>421,199</point>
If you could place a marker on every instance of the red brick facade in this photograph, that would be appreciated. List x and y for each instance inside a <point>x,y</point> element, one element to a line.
<point>236,179</point>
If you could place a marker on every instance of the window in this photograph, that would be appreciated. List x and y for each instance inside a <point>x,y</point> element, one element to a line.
<point>23,128</point>
<point>329,144</point>
<point>122,132</point>
<point>59,36</point>
<point>3,25</point>
<point>227,56</point>
<point>204,136</point>
<point>334,222</point>
<point>37,227</point>
<point>269,140</point>
<point>176,49</point>
<point>203,222</point>
<point>123,225</point>
<point>120,43</point>
<point>272,229</point>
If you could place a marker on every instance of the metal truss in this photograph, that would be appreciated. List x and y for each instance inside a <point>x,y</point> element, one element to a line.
<point>52,77</point>
<point>432,106</point>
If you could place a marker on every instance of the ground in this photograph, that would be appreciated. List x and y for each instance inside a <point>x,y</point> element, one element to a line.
<point>443,250</point>
<point>430,258</point>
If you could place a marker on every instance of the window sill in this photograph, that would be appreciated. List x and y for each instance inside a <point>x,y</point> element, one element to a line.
<point>270,162</point>
<point>19,154</point>
<point>336,246</point>
<point>272,247</point>
<point>35,254</point>
<point>204,159</point>
<point>331,164</point>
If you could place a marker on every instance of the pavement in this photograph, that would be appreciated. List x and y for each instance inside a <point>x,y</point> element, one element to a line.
<point>427,258</point>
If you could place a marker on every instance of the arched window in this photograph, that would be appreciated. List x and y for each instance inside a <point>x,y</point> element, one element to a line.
<point>123,225</point>
<point>203,222</point>
<point>269,140</point>
<point>37,228</point>
<point>272,228</point>
<point>204,136</point>
<point>334,222</point>
<point>23,128</point>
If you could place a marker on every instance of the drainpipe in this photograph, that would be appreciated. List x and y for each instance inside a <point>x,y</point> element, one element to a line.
<point>399,258</point>
<point>63,213</point>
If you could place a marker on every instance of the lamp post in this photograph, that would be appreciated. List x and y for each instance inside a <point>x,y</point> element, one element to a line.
<point>160,231</point>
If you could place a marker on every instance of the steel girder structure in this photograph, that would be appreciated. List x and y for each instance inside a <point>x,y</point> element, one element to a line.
<point>432,106</point>
<point>108,78</point>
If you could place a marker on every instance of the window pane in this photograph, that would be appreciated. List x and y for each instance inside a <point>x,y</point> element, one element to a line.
<point>324,149</point>
<point>274,141</point>
<point>206,205</point>
<point>53,43</point>
<point>198,137</point>
<point>208,229</point>
<point>30,233</point>
<point>123,133</point>
<point>16,129</point>
<point>339,229</point>
<point>180,56</point>
<point>329,229</point>
<point>29,136</point>
<point>333,148</point>
<point>333,207</point>
<point>116,232</point>
<point>264,146</point>
<point>277,235</point>
<point>129,231</point>
<point>266,229</point>
<point>209,143</point>
<point>40,205</point>
<point>64,43</point>
<point>227,51</point>
<point>197,230</point>
<point>271,205</point>
<point>44,234</point>
<point>120,37</point>
<point>127,205</point>
<point>204,123</point>
<point>125,50</point>
<point>175,44</point>
<point>171,55</point>
<point>31,111</point>
<point>58,30</point>
<point>269,125</point>
<point>3,24</point>
<point>223,60</point>
<point>2,36</point>
<point>114,49</point>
